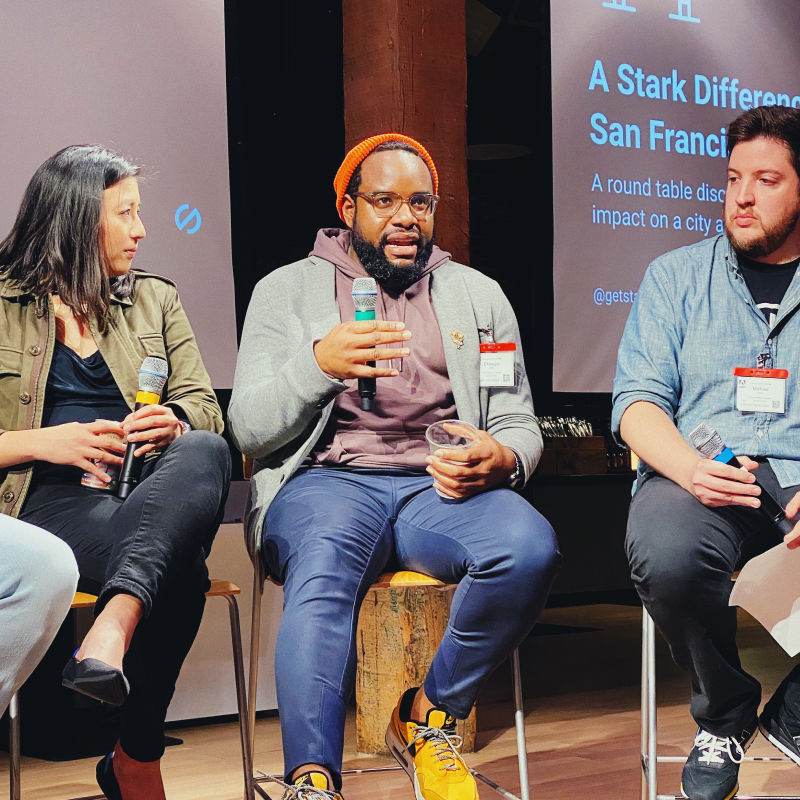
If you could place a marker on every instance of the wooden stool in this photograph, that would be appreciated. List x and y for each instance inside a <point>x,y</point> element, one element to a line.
<point>402,620</point>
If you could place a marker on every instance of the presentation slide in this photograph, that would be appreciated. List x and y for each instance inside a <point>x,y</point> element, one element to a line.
<point>643,92</point>
<point>146,80</point>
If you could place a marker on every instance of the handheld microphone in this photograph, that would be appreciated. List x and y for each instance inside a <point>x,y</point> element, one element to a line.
<point>152,377</point>
<point>365,297</point>
<point>709,443</point>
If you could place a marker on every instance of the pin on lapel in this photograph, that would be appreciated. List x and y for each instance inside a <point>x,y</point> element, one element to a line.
<point>458,338</point>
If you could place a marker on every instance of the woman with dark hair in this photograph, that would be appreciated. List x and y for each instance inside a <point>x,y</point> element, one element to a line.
<point>75,327</point>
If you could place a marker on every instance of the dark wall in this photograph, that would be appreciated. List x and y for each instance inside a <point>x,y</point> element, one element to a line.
<point>509,130</point>
<point>510,173</point>
<point>286,131</point>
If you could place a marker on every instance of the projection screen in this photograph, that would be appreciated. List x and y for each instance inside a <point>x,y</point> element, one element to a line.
<point>148,80</point>
<point>643,91</point>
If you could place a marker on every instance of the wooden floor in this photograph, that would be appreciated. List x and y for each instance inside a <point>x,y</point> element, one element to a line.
<point>581,681</point>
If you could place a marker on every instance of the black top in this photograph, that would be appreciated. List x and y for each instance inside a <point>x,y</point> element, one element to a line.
<point>767,283</point>
<point>78,390</point>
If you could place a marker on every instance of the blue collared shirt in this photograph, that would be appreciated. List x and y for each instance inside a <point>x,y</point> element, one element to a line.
<point>693,322</point>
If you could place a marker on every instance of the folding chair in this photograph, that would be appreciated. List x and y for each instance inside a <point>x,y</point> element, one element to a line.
<point>219,588</point>
<point>649,743</point>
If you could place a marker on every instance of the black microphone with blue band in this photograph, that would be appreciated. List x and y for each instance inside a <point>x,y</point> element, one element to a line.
<point>709,444</point>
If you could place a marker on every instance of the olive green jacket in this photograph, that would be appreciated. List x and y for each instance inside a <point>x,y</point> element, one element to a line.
<point>151,322</point>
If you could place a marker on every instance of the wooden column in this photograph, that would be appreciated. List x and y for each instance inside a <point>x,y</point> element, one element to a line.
<point>405,70</point>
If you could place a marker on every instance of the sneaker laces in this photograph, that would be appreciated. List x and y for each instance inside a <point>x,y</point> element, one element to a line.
<point>295,792</point>
<point>314,793</point>
<point>445,745</point>
<point>713,747</point>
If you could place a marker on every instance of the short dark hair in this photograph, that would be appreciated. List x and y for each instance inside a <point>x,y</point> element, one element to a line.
<point>355,179</point>
<point>54,245</point>
<point>774,122</point>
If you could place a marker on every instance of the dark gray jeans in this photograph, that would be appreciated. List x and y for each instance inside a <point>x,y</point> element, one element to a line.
<point>152,545</point>
<point>682,555</point>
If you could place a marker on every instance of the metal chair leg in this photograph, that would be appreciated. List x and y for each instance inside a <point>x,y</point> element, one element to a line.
<point>255,638</point>
<point>252,682</point>
<point>245,731</point>
<point>522,749</point>
<point>649,720</point>
<point>519,724</point>
<point>14,747</point>
<point>643,710</point>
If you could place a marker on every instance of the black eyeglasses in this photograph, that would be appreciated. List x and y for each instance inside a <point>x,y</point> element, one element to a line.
<point>387,204</point>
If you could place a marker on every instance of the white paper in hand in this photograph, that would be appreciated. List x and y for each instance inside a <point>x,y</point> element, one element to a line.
<point>768,588</point>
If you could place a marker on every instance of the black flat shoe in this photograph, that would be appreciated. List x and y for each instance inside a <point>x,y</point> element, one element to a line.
<point>106,779</point>
<point>96,679</point>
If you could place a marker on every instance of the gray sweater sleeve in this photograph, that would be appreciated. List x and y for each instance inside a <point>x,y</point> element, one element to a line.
<point>278,387</point>
<point>510,417</point>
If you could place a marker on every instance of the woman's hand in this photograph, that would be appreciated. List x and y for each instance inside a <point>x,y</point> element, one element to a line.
<point>79,444</point>
<point>156,426</point>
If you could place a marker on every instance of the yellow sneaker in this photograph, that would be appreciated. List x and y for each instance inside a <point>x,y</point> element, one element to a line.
<point>428,752</point>
<point>310,786</point>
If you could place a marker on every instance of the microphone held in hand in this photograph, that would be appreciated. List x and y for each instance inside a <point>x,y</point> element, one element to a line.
<point>365,297</point>
<point>709,443</point>
<point>152,377</point>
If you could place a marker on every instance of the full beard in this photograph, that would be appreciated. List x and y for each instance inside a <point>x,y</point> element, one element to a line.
<point>772,238</point>
<point>373,259</point>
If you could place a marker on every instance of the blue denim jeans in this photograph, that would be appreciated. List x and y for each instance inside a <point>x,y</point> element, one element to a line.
<point>152,545</point>
<point>327,536</point>
<point>37,582</point>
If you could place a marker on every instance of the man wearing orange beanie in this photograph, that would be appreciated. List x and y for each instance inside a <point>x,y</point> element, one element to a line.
<point>343,489</point>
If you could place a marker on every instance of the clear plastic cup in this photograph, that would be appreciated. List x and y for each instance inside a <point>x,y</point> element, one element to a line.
<point>441,439</point>
<point>92,481</point>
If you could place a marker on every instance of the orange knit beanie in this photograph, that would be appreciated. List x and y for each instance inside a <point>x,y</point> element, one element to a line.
<point>362,150</point>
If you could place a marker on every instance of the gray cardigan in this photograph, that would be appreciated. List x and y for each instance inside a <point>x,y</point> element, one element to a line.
<point>282,400</point>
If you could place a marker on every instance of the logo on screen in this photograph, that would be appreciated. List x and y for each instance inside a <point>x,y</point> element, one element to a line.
<point>684,12</point>
<point>619,5</point>
<point>188,221</point>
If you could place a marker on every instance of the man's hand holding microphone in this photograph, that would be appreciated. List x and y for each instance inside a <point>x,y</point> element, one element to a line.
<point>345,350</point>
<point>721,478</point>
<point>351,349</point>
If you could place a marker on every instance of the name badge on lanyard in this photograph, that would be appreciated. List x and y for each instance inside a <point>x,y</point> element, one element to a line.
<point>761,389</point>
<point>497,364</point>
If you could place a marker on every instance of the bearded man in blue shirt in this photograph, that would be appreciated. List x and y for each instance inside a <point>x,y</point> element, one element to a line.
<point>710,324</point>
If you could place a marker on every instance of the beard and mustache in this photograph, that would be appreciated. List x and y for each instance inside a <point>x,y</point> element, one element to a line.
<point>373,259</point>
<point>771,239</point>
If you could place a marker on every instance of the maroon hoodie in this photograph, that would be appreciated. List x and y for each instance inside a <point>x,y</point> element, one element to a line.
<point>392,434</point>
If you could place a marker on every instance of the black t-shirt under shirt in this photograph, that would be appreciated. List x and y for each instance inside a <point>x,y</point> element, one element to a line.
<point>78,390</point>
<point>767,283</point>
